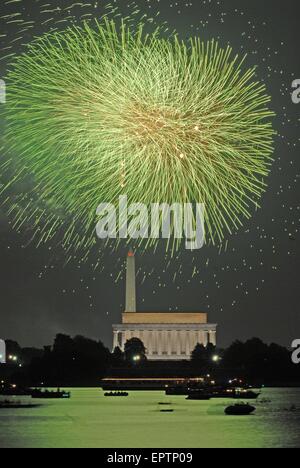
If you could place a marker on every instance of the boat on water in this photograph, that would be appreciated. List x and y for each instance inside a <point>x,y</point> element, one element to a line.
<point>246,394</point>
<point>151,381</point>
<point>205,393</point>
<point>116,394</point>
<point>235,393</point>
<point>7,404</point>
<point>14,390</point>
<point>50,394</point>
<point>177,391</point>
<point>240,409</point>
<point>198,395</point>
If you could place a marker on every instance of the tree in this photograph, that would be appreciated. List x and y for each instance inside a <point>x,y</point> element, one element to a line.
<point>135,350</point>
<point>234,356</point>
<point>63,345</point>
<point>199,355</point>
<point>210,351</point>
<point>202,357</point>
<point>118,356</point>
<point>78,361</point>
<point>12,349</point>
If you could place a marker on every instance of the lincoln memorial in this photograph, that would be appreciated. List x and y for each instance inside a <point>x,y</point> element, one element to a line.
<point>166,335</point>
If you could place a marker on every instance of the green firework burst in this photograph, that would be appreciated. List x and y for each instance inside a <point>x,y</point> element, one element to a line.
<point>98,112</point>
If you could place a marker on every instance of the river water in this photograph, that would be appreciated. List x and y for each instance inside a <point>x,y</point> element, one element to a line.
<point>91,420</point>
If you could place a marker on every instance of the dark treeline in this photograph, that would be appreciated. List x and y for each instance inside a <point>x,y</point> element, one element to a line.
<point>253,361</point>
<point>70,361</point>
<point>81,361</point>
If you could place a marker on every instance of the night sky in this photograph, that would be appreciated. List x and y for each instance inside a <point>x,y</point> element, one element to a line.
<point>252,289</point>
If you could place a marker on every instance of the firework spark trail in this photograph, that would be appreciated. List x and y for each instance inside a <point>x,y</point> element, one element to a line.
<point>102,110</point>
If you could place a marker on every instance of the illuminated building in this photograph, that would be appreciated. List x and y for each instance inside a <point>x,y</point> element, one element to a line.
<point>166,335</point>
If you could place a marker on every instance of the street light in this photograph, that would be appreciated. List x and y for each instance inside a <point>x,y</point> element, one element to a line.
<point>136,358</point>
<point>13,358</point>
<point>216,358</point>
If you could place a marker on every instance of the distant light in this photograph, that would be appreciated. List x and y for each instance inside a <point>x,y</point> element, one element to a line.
<point>12,358</point>
<point>136,358</point>
<point>216,358</point>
